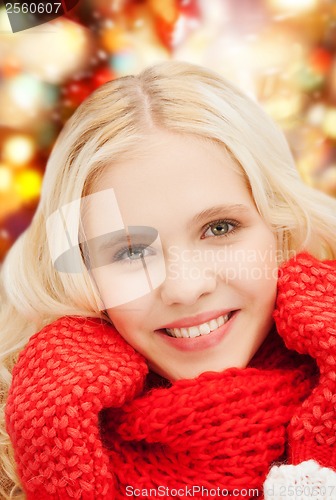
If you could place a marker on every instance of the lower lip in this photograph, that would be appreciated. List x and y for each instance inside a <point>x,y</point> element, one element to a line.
<point>202,341</point>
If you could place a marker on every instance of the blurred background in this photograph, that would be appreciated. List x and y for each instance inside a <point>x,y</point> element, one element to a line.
<point>281,52</point>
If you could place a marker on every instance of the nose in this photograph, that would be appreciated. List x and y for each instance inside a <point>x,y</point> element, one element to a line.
<point>186,282</point>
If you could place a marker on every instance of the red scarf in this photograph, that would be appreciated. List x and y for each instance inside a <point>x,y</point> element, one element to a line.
<point>221,431</point>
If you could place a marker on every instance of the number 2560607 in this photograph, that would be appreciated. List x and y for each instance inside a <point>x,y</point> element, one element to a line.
<point>33,8</point>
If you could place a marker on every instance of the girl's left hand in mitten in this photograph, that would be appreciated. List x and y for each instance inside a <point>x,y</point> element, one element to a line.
<point>67,373</point>
<point>305,317</point>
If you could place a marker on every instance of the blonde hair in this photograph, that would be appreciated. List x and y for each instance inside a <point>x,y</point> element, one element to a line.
<point>112,123</point>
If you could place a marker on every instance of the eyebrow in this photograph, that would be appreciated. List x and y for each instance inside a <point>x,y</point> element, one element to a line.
<point>219,211</point>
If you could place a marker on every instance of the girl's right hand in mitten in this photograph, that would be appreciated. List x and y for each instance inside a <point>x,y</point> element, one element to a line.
<point>67,373</point>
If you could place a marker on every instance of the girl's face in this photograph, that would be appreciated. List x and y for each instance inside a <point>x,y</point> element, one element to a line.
<point>211,306</point>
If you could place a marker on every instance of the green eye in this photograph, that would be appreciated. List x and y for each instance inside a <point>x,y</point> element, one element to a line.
<point>220,228</point>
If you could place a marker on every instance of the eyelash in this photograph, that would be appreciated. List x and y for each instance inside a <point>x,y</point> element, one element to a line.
<point>235,226</point>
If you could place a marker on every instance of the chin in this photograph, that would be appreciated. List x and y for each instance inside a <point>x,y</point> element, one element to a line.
<point>194,371</point>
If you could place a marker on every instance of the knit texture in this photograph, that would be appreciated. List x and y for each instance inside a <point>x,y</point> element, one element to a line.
<point>84,423</point>
<point>306,319</point>
<point>68,372</point>
<point>219,430</point>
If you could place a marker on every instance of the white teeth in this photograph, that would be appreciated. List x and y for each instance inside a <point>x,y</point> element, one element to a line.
<point>196,331</point>
<point>213,325</point>
<point>184,332</point>
<point>193,331</point>
<point>204,329</point>
<point>178,333</point>
<point>221,320</point>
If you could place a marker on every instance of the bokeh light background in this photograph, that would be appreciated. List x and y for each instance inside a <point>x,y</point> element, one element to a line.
<point>281,52</point>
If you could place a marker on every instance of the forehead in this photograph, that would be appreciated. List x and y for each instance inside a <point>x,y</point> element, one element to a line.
<point>174,176</point>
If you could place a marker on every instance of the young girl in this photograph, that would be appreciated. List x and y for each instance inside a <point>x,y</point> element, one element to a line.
<point>139,306</point>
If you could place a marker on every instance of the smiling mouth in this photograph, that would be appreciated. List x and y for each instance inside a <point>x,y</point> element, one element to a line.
<point>199,330</point>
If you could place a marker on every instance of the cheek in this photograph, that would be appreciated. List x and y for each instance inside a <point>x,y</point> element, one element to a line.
<point>263,273</point>
<point>263,269</point>
<point>251,267</point>
<point>123,319</point>
<point>131,319</point>
<point>262,276</point>
<point>126,325</point>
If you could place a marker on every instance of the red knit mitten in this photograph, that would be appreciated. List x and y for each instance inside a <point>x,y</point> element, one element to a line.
<point>306,319</point>
<point>66,374</point>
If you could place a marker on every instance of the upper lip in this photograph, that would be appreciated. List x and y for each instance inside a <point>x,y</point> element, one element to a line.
<point>199,319</point>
